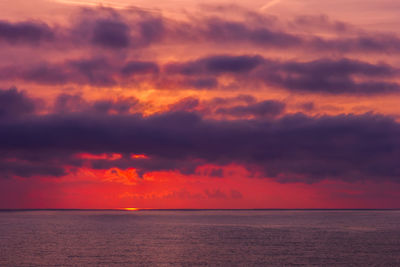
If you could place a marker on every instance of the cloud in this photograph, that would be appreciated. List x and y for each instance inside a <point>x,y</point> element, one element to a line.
<point>104,28</point>
<point>291,148</point>
<point>111,34</point>
<point>200,83</point>
<point>14,103</point>
<point>118,106</point>
<point>307,106</point>
<point>139,67</point>
<point>26,32</point>
<point>69,103</point>
<point>117,30</point>
<point>66,103</point>
<point>341,76</point>
<point>226,31</point>
<point>113,30</point>
<point>322,23</point>
<point>186,104</point>
<point>93,71</point>
<point>332,76</point>
<point>264,109</point>
<point>29,169</point>
<point>216,64</point>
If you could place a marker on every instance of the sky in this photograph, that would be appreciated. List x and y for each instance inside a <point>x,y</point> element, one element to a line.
<point>193,104</point>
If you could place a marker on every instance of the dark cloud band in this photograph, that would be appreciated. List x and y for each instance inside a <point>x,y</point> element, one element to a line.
<point>290,148</point>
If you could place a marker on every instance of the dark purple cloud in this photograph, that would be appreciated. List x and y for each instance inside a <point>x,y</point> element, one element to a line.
<point>110,34</point>
<point>93,71</point>
<point>291,148</point>
<point>42,73</point>
<point>112,30</point>
<point>27,32</point>
<point>262,33</point>
<point>241,98</point>
<point>307,106</point>
<point>339,67</point>
<point>319,76</point>
<point>28,169</point>
<point>264,109</point>
<point>342,76</point>
<point>115,30</point>
<point>69,103</point>
<point>97,71</point>
<point>14,103</point>
<point>66,103</point>
<point>101,27</point>
<point>215,65</point>
<point>205,83</point>
<point>378,43</point>
<point>151,29</point>
<point>118,106</point>
<point>333,77</point>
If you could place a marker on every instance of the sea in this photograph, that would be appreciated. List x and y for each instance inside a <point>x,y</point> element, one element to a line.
<point>200,238</point>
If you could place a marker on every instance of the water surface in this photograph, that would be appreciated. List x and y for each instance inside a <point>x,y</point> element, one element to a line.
<point>200,238</point>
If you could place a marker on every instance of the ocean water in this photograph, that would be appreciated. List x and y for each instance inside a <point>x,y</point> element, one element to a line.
<point>200,238</point>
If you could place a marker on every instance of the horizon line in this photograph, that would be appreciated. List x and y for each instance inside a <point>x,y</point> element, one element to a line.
<point>199,209</point>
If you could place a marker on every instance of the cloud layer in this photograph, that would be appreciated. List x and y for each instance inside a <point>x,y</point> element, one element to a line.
<point>289,148</point>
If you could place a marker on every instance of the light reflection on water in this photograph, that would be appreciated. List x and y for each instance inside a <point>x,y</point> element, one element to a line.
<point>201,238</point>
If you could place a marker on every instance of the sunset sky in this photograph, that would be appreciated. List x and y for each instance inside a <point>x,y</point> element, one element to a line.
<point>199,104</point>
